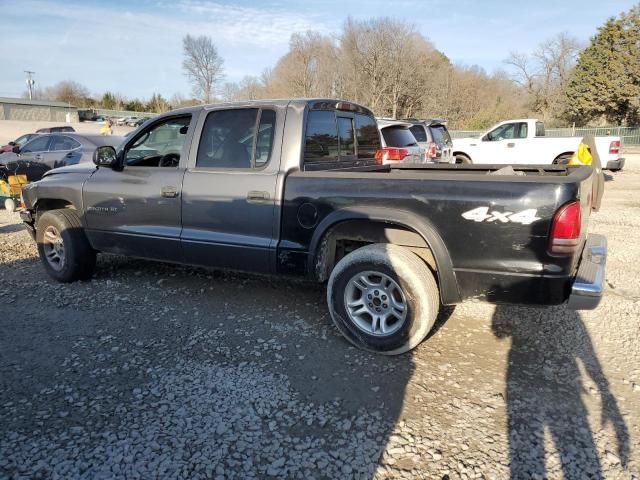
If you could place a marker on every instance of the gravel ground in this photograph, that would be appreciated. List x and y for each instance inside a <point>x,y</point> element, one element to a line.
<point>157,371</point>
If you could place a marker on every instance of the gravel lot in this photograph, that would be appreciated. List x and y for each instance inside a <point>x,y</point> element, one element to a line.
<point>157,371</point>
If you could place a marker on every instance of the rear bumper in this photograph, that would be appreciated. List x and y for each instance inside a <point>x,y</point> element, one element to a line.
<point>588,286</point>
<point>615,164</point>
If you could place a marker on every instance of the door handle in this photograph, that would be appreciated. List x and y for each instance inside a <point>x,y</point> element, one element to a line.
<point>169,192</point>
<point>511,145</point>
<point>38,156</point>
<point>255,196</point>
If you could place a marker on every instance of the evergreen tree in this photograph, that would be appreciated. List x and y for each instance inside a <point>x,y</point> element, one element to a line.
<point>606,79</point>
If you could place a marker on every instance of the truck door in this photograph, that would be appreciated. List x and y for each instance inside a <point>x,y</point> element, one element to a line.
<point>229,190</point>
<point>137,211</point>
<point>498,145</point>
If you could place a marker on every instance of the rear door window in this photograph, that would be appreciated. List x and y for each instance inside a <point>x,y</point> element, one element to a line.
<point>540,129</point>
<point>237,138</point>
<point>61,143</point>
<point>397,136</point>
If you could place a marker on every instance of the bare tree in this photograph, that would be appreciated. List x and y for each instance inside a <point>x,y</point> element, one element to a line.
<point>202,65</point>
<point>545,73</point>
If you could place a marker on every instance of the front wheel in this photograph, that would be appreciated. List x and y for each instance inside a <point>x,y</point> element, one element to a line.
<point>383,298</point>
<point>64,249</point>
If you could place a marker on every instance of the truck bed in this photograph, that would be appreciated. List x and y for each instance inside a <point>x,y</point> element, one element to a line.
<point>490,257</point>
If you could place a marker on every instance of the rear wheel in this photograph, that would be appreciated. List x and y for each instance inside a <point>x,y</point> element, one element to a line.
<point>10,205</point>
<point>64,249</point>
<point>463,159</point>
<point>383,298</point>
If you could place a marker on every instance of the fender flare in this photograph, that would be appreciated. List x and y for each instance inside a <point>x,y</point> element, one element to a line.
<point>449,293</point>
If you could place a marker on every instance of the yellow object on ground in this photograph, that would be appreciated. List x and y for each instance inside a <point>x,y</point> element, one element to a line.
<point>13,185</point>
<point>582,156</point>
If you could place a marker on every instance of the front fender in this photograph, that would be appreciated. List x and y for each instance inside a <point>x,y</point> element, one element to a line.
<point>448,284</point>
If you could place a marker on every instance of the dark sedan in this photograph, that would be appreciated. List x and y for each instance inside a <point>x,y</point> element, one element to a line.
<point>55,150</point>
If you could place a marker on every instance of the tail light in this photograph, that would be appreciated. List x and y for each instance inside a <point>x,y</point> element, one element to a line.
<point>565,230</point>
<point>614,147</point>
<point>432,151</point>
<point>391,153</point>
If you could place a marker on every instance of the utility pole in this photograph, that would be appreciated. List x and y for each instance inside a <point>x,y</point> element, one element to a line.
<point>30,83</point>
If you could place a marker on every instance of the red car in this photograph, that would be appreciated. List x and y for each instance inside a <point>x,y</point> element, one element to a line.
<point>17,142</point>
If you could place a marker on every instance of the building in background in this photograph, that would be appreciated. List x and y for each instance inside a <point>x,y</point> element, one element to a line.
<point>37,110</point>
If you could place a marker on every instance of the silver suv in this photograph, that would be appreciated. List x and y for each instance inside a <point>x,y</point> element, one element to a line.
<point>434,137</point>
<point>400,146</point>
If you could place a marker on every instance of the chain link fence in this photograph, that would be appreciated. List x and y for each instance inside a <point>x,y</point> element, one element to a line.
<point>628,135</point>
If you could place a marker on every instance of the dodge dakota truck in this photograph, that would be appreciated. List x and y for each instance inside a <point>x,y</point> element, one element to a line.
<point>296,187</point>
<point>523,142</point>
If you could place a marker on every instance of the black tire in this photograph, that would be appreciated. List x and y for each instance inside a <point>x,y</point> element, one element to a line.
<point>410,274</point>
<point>461,158</point>
<point>79,258</point>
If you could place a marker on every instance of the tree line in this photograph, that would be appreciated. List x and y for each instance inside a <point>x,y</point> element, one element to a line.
<point>387,65</point>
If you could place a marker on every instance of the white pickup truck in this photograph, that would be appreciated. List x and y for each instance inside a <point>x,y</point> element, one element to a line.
<point>523,142</point>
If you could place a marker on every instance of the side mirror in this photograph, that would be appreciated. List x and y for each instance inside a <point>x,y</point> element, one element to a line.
<point>16,149</point>
<point>12,143</point>
<point>105,156</point>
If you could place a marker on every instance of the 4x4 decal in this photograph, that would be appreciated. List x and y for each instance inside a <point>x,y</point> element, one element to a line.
<point>482,214</point>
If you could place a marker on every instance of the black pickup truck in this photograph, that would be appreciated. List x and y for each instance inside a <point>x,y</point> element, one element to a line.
<point>296,187</point>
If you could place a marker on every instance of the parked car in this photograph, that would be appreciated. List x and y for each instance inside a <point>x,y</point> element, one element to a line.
<point>404,146</point>
<point>125,120</point>
<point>140,121</point>
<point>21,140</point>
<point>64,128</point>
<point>523,142</point>
<point>131,121</point>
<point>303,194</point>
<point>433,136</point>
<point>55,150</point>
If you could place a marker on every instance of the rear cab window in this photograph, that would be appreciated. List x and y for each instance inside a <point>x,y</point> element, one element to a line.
<point>339,139</point>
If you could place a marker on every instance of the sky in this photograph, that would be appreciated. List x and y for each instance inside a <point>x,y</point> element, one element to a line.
<point>135,47</point>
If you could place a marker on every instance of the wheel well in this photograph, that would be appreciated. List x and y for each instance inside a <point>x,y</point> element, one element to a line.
<point>565,154</point>
<point>350,235</point>
<point>464,154</point>
<point>47,204</point>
